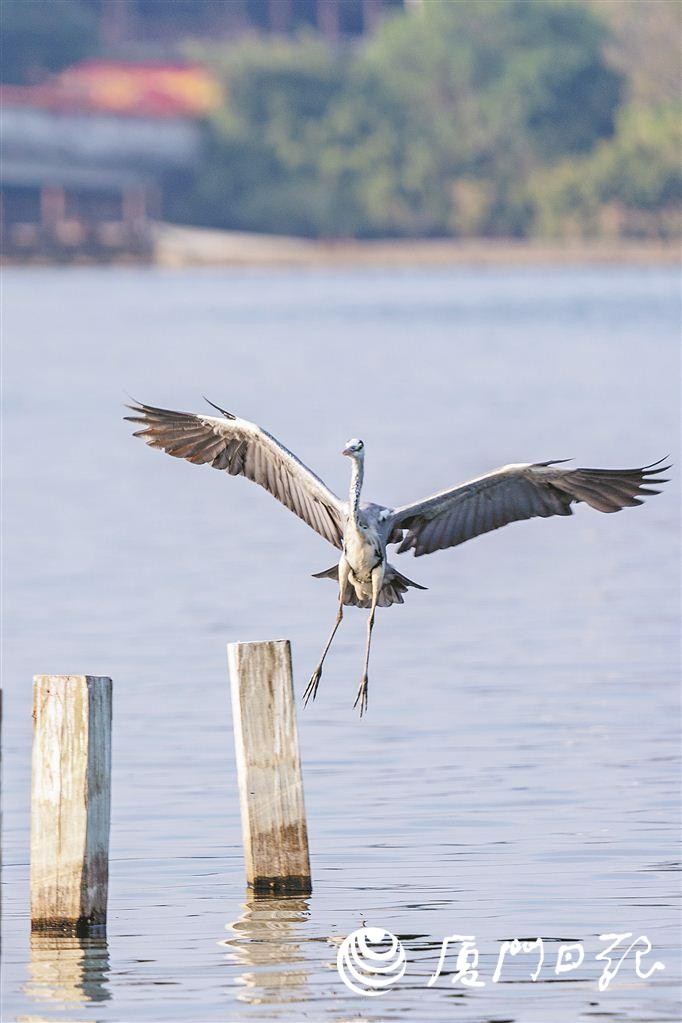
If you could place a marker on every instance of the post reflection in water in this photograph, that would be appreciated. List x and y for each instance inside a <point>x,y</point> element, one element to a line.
<point>63,968</point>
<point>267,941</point>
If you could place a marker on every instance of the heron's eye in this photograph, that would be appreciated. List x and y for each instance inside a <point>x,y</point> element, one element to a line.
<point>360,445</point>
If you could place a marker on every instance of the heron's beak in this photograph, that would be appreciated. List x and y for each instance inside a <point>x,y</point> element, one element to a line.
<point>347,451</point>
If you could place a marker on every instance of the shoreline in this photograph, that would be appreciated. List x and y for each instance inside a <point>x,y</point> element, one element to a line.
<point>189,246</point>
<point>177,247</point>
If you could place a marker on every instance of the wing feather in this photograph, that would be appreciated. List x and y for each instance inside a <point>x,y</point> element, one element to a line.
<point>514,493</point>
<point>243,449</point>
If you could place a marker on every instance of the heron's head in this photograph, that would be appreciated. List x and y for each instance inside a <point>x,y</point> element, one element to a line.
<point>354,448</point>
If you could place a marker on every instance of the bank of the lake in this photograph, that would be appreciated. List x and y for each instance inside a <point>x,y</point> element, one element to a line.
<point>193,246</point>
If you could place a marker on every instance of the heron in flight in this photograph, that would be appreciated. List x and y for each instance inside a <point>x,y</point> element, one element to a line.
<point>362,531</point>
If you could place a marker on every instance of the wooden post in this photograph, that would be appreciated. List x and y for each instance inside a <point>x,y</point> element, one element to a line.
<point>70,802</point>
<point>52,205</point>
<point>134,207</point>
<point>274,827</point>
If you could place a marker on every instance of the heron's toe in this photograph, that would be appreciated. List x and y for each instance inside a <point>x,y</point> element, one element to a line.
<point>311,689</point>
<point>361,698</point>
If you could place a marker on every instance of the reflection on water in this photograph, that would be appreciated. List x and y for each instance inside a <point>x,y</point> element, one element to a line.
<point>269,933</point>
<point>68,969</point>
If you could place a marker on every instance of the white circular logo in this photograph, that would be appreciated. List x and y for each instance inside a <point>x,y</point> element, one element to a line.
<point>371,970</point>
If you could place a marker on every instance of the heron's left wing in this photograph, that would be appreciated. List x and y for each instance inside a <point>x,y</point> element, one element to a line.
<point>513,493</point>
<point>243,449</point>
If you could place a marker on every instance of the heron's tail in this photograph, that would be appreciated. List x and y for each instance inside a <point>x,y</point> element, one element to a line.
<point>395,584</point>
<point>329,573</point>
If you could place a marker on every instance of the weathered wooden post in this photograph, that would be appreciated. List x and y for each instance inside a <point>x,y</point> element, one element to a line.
<point>274,828</point>
<point>70,806</point>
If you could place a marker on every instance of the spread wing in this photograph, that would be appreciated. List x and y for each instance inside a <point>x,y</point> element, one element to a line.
<point>244,449</point>
<point>517,492</point>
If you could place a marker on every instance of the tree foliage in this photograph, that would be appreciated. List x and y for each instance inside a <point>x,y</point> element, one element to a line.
<point>496,118</point>
<point>630,185</point>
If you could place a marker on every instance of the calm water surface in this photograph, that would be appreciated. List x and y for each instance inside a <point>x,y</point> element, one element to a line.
<point>517,774</point>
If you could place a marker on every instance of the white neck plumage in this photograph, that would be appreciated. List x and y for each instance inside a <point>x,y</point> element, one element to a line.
<point>356,478</point>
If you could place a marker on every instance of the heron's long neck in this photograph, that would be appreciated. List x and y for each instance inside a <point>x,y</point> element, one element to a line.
<point>356,478</point>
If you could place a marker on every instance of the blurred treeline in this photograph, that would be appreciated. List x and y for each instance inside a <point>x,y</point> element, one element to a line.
<point>556,118</point>
<point>498,118</point>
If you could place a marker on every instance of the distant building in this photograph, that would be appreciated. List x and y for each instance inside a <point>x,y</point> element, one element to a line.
<point>158,21</point>
<point>84,157</point>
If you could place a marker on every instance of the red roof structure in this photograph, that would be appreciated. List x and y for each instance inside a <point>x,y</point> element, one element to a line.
<point>142,90</point>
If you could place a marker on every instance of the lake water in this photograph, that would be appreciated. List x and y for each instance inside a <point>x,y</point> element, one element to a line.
<point>517,774</point>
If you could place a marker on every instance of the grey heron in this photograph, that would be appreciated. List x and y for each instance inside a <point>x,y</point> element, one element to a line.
<point>362,531</point>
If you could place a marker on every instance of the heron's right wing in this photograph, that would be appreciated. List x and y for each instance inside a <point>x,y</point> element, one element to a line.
<point>244,449</point>
<point>513,493</point>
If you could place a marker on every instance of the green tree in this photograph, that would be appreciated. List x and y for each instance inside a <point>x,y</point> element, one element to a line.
<point>501,118</point>
<point>486,91</point>
<point>265,158</point>
<point>630,185</point>
<point>644,45</point>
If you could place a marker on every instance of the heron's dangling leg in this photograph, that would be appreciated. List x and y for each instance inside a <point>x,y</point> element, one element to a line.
<point>377,581</point>
<point>311,688</point>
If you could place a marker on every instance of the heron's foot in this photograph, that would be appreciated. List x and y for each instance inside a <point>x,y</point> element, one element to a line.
<point>311,689</point>
<point>361,698</point>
